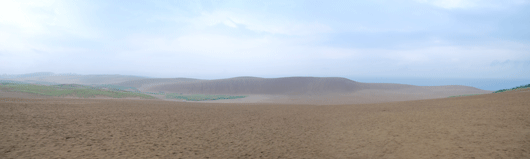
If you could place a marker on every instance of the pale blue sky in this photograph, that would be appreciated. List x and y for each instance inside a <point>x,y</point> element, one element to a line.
<point>221,39</point>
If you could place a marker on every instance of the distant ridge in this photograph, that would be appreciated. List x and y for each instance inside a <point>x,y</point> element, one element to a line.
<point>29,75</point>
<point>68,78</point>
<point>294,90</point>
<point>514,88</point>
<point>254,85</point>
<point>150,82</point>
<point>284,86</point>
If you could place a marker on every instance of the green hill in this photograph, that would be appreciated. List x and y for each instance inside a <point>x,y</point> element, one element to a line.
<point>520,87</point>
<point>69,90</point>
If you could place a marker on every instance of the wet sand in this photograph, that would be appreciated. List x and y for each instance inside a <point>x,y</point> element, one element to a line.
<point>482,126</point>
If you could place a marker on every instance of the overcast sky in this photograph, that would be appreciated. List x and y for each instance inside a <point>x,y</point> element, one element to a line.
<point>220,39</point>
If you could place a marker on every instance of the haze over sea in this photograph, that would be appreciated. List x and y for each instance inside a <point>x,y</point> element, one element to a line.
<point>485,84</point>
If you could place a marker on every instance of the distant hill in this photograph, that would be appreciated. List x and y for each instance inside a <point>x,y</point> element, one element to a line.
<point>49,78</point>
<point>515,88</point>
<point>29,75</point>
<point>143,84</point>
<point>299,90</point>
<point>286,86</point>
<point>254,85</point>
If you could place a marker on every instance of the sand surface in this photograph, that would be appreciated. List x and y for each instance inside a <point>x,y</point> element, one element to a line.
<point>483,126</point>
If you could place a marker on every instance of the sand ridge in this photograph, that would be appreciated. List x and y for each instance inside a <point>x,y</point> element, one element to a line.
<point>283,86</point>
<point>482,126</point>
<point>306,90</point>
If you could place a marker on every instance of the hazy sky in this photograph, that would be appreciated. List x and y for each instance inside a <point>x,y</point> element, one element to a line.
<point>219,39</point>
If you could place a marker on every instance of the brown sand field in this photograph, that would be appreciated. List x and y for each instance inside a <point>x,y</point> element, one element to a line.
<point>482,126</point>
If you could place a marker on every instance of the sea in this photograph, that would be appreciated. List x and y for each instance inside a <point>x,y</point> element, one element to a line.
<point>485,84</point>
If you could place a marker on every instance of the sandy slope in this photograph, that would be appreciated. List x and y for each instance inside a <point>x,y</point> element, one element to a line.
<point>483,126</point>
<point>271,86</point>
<point>365,96</point>
<point>302,90</point>
<point>146,84</point>
<point>280,86</point>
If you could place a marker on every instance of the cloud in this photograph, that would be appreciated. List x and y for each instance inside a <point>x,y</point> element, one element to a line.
<point>42,17</point>
<point>467,4</point>
<point>22,14</point>
<point>451,4</point>
<point>262,24</point>
<point>359,38</point>
<point>515,63</point>
<point>34,32</point>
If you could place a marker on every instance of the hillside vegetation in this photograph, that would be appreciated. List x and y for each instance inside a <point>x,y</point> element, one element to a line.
<point>465,95</point>
<point>254,85</point>
<point>69,90</point>
<point>520,87</point>
<point>200,97</point>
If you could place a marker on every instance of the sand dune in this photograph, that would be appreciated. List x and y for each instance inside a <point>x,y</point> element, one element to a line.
<point>254,85</point>
<point>145,84</point>
<point>308,90</point>
<point>482,126</point>
<point>291,86</point>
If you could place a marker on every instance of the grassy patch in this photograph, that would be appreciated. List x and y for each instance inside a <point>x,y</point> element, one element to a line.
<point>154,93</point>
<point>520,87</point>
<point>117,88</point>
<point>463,95</point>
<point>69,90</point>
<point>200,97</point>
